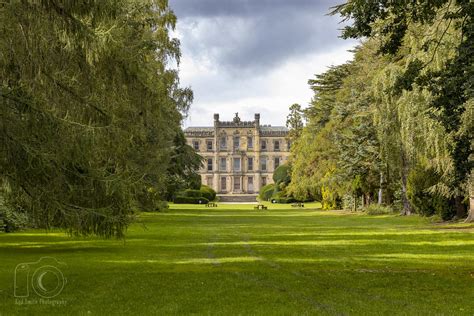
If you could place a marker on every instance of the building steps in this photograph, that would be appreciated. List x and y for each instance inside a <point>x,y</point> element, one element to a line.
<point>237,198</point>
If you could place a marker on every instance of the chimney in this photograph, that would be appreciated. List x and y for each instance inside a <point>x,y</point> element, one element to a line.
<point>257,119</point>
<point>216,119</point>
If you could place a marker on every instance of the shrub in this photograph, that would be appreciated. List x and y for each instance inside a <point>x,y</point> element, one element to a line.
<point>348,202</point>
<point>158,206</point>
<point>283,200</point>
<point>266,192</point>
<point>376,209</point>
<point>190,200</point>
<point>12,220</point>
<point>330,199</point>
<point>282,174</point>
<point>148,200</point>
<point>426,203</point>
<point>191,193</point>
<point>12,217</point>
<point>208,193</point>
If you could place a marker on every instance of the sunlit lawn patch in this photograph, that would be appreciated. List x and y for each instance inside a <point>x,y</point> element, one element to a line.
<point>235,260</point>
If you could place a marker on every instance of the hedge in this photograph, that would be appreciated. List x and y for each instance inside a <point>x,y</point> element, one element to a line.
<point>190,200</point>
<point>191,193</point>
<point>208,193</point>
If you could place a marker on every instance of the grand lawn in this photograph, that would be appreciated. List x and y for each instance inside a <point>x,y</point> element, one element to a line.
<point>234,260</point>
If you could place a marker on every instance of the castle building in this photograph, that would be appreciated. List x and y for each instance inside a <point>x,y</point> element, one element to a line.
<point>239,156</point>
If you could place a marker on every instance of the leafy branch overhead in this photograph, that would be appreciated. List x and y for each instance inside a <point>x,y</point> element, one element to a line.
<point>89,110</point>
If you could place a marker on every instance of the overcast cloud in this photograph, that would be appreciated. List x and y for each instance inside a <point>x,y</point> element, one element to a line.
<point>254,56</point>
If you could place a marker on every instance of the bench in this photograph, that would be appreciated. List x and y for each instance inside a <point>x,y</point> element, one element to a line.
<point>260,207</point>
<point>211,204</point>
<point>298,204</point>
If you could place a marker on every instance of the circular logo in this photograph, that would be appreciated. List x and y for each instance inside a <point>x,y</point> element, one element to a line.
<point>48,281</point>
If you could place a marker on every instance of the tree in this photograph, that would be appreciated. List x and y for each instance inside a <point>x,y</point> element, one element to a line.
<point>294,121</point>
<point>88,109</point>
<point>314,155</point>
<point>182,171</point>
<point>451,85</point>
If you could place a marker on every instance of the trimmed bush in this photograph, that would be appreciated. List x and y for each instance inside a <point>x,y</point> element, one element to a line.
<point>190,200</point>
<point>266,192</point>
<point>191,193</point>
<point>208,193</point>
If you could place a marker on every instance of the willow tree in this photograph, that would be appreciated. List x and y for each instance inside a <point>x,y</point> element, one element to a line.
<point>451,84</point>
<point>88,109</point>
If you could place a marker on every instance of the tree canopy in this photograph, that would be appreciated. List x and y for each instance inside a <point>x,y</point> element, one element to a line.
<point>89,109</point>
<point>400,107</point>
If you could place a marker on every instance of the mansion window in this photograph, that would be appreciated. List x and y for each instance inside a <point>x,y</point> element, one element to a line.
<point>288,145</point>
<point>277,161</point>
<point>223,184</point>
<point>237,164</point>
<point>264,181</point>
<point>236,142</point>
<point>263,164</point>
<point>209,164</point>
<point>223,164</point>
<point>196,145</point>
<point>250,164</point>
<point>264,145</point>
<point>250,184</point>
<point>276,145</point>
<point>209,145</point>
<point>249,142</point>
<point>236,183</point>
<point>209,181</point>
<point>223,142</point>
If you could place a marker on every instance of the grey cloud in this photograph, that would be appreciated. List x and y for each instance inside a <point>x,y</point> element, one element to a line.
<point>206,8</point>
<point>253,36</point>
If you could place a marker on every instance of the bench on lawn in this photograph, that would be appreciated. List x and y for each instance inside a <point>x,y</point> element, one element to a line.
<point>211,204</point>
<point>298,204</point>
<point>260,207</point>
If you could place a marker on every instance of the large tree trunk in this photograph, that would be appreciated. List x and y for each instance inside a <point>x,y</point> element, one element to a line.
<point>380,196</point>
<point>405,170</point>
<point>470,215</point>
<point>355,203</point>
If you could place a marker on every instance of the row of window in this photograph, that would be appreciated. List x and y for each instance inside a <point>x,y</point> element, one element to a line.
<point>237,185</point>
<point>237,164</point>
<point>236,143</point>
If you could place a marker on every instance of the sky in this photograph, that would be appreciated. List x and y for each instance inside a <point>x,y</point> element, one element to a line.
<point>254,56</point>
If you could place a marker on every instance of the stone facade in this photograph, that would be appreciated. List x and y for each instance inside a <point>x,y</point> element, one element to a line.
<point>239,156</point>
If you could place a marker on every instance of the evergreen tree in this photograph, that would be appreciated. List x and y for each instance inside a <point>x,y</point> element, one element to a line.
<point>88,109</point>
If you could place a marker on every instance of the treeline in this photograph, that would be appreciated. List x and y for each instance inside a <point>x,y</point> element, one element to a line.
<point>395,125</point>
<point>90,113</point>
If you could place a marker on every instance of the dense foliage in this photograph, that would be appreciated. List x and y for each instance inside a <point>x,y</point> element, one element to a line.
<point>266,192</point>
<point>89,110</point>
<point>401,109</point>
<point>192,196</point>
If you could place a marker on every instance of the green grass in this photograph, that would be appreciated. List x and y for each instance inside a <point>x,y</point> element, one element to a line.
<point>234,260</point>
